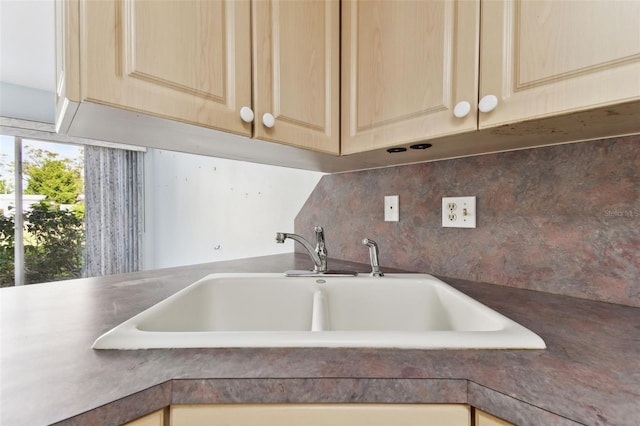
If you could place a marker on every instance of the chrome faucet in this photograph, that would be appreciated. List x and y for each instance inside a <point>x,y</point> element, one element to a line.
<point>318,254</point>
<point>373,257</point>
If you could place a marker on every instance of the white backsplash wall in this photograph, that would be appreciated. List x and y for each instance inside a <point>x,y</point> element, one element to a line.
<point>202,209</point>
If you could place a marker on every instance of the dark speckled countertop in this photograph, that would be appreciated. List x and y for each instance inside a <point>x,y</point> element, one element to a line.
<point>589,374</point>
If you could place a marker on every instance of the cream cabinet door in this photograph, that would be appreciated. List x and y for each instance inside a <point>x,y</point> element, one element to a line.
<point>184,60</point>
<point>321,415</point>
<point>484,419</point>
<point>405,66</point>
<point>296,53</point>
<point>547,57</point>
<point>154,419</point>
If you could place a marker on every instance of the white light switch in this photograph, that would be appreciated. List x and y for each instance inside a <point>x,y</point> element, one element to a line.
<point>459,212</point>
<point>391,208</point>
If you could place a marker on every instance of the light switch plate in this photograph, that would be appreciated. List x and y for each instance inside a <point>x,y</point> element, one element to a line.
<point>459,212</point>
<point>391,208</point>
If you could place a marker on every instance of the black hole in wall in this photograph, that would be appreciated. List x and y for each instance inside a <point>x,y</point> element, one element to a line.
<point>421,146</point>
<point>394,150</point>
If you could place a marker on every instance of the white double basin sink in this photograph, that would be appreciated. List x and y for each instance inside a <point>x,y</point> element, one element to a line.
<point>269,310</point>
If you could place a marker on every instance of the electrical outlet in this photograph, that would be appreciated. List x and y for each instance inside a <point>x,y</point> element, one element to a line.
<point>459,212</point>
<point>391,208</point>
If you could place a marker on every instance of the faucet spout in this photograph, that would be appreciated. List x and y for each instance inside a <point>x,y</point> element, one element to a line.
<point>318,253</point>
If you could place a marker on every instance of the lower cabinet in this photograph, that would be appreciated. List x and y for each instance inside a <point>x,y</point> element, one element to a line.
<point>157,418</point>
<point>321,415</point>
<point>485,419</point>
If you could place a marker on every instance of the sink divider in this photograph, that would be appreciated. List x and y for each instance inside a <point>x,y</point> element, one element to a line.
<point>320,314</point>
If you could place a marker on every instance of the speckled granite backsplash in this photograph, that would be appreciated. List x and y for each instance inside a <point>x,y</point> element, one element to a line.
<point>562,219</point>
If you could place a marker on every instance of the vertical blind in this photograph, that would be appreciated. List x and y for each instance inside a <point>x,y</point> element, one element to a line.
<point>114,214</point>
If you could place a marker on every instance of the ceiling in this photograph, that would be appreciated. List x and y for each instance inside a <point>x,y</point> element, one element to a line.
<point>27,43</point>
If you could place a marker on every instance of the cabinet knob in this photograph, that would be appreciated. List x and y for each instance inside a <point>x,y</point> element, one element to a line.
<point>462,109</point>
<point>488,103</point>
<point>268,120</point>
<point>246,114</point>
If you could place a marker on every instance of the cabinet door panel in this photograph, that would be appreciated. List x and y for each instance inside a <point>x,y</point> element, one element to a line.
<point>322,414</point>
<point>296,72</point>
<point>543,58</point>
<point>405,66</point>
<point>151,27</point>
<point>184,60</point>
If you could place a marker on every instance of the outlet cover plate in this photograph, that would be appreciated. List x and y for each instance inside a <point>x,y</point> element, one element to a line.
<point>391,208</point>
<point>459,212</point>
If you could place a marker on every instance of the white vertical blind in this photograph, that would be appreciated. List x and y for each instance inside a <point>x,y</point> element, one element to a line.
<point>114,211</point>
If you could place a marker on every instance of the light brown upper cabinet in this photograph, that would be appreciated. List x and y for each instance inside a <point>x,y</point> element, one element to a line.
<point>184,60</point>
<point>543,58</point>
<point>192,62</point>
<point>405,67</point>
<point>296,62</point>
<point>320,78</point>
<point>410,70</point>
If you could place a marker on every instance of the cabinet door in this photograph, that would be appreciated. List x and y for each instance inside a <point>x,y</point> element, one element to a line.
<point>542,58</point>
<point>296,55</point>
<point>484,419</point>
<point>405,65</point>
<point>184,60</point>
<point>321,415</point>
<point>67,66</point>
<point>157,418</point>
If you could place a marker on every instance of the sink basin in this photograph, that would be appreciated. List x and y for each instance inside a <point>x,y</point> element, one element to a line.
<point>234,304</point>
<point>400,304</point>
<point>270,310</point>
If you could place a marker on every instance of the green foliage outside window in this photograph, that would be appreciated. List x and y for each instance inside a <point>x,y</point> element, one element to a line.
<point>54,241</point>
<point>59,180</point>
<point>57,239</point>
<point>53,237</point>
<point>6,251</point>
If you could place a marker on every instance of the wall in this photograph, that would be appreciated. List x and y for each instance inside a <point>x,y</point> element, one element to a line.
<point>27,103</point>
<point>27,44</point>
<point>563,219</point>
<point>27,58</point>
<point>202,209</point>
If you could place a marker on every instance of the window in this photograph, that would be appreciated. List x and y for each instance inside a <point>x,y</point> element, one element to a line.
<point>72,223</point>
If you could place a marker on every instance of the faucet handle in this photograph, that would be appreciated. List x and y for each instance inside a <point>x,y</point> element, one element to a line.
<point>373,257</point>
<point>321,248</point>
